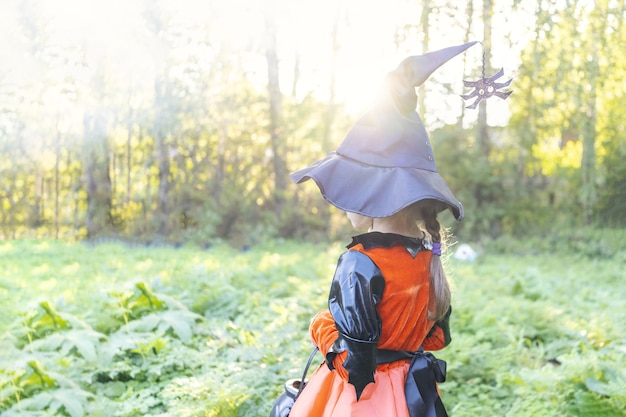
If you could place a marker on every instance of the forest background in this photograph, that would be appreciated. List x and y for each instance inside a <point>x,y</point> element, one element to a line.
<point>179,121</point>
<point>173,126</point>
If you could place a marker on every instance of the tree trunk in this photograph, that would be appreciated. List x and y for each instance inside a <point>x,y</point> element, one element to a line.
<point>275,128</point>
<point>3,223</point>
<point>57,161</point>
<point>163,160</point>
<point>421,90</point>
<point>296,75</point>
<point>487,192</point>
<point>469,13</point>
<point>97,175</point>
<point>221,163</point>
<point>12,207</point>
<point>330,110</point>
<point>164,186</point>
<point>36,212</point>
<point>129,128</point>
<point>588,163</point>
<point>329,117</point>
<point>483,132</point>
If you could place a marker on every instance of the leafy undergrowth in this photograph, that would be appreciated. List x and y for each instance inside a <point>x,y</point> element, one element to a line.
<point>538,336</point>
<point>113,330</point>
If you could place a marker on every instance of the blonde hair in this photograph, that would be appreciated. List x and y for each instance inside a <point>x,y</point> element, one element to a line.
<point>439,287</point>
<point>426,212</point>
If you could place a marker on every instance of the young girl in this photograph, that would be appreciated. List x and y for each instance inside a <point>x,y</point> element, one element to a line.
<point>389,300</point>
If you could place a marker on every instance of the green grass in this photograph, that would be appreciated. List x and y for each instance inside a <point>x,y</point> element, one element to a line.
<point>538,335</point>
<point>114,330</point>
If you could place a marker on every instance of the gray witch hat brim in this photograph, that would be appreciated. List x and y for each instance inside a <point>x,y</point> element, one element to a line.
<point>385,163</point>
<point>347,184</point>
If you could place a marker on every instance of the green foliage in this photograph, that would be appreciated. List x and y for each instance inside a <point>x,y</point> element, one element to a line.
<point>44,321</point>
<point>537,330</point>
<point>54,402</point>
<point>176,346</point>
<point>183,154</point>
<point>529,350</point>
<point>83,341</point>
<point>596,243</point>
<point>612,193</point>
<point>568,126</point>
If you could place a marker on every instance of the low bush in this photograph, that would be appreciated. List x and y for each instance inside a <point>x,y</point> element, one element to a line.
<point>119,330</point>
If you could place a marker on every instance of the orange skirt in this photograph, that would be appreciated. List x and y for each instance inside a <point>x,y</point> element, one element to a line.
<point>327,394</point>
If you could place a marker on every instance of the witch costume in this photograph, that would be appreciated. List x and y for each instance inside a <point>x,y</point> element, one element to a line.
<point>376,333</point>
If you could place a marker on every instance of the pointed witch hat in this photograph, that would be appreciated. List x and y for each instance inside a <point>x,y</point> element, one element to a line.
<point>386,163</point>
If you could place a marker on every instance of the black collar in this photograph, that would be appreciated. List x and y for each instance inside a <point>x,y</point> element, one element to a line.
<point>387,240</point>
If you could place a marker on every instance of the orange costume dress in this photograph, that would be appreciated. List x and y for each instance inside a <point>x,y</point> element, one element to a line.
<point>374,333</point>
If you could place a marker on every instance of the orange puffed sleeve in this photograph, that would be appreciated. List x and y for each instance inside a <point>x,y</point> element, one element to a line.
<point>323,331</point>
<point>323,334</point>
<point>439,336</point>
<point>435,340</point>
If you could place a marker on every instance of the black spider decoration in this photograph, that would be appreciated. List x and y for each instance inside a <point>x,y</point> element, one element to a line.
<point>486,87</point>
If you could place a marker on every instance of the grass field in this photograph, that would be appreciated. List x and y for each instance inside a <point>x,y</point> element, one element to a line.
<point>117,330</point>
